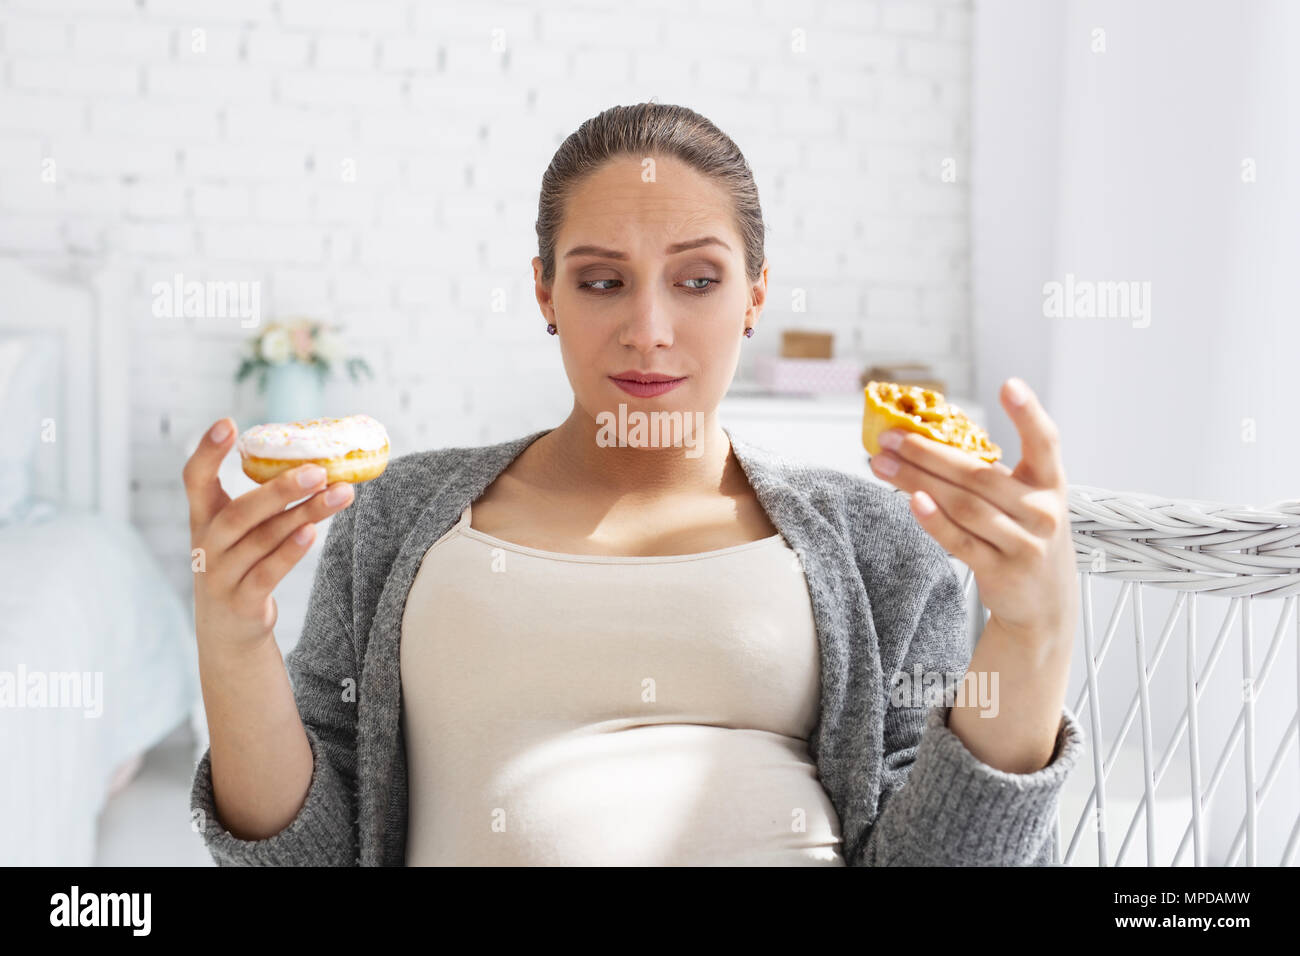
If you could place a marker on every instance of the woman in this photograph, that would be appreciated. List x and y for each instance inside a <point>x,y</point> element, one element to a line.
<point>587,645</point>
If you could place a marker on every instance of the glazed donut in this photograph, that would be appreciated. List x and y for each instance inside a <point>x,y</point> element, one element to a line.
<point>353,449</point>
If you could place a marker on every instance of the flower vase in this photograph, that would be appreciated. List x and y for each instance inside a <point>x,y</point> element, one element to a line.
<point>293,392</point>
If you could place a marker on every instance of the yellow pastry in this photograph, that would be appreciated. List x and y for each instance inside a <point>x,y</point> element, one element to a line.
<point>921,410</point>
<point>352,449</point>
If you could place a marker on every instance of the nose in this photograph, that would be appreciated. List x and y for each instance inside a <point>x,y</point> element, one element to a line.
<point>648,326</point>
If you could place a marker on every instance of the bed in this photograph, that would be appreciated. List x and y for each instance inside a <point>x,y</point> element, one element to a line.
<point>96,663</point>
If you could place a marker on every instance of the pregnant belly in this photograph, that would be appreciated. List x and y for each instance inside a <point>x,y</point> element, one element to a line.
<point>653,795</point>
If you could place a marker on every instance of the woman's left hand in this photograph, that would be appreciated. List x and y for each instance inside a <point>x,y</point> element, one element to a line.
<point>1011,528</point>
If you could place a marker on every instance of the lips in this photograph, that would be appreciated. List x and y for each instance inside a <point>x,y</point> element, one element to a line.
<point>632,375</point>
<point>646,384</point>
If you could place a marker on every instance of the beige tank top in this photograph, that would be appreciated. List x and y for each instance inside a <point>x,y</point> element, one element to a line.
<point>588,710</point>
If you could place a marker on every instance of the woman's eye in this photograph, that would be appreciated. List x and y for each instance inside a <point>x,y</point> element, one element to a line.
<point>594,285</point>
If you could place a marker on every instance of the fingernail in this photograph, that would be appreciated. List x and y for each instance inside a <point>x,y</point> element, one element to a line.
<point>891,439</point>
<point>311,476</point>
<point>885,464</point>
<point>336,495</point>
<point>303,534</point>
<point>220,431</point>
<point>1019,391</point>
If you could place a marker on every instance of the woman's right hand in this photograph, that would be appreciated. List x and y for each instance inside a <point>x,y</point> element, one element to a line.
<point>248,544</point>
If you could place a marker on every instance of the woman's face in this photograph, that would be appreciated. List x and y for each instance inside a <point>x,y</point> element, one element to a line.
<point>627,298</point>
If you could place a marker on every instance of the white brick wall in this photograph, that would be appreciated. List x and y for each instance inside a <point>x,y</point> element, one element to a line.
<point>207,137</point>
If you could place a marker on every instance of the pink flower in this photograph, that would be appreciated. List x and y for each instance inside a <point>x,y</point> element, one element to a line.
<point>302,343</point>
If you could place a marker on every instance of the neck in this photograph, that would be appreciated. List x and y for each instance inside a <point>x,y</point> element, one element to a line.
<point>579,454</point>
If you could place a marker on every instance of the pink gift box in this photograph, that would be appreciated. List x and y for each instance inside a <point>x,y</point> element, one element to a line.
<point>807,375</point>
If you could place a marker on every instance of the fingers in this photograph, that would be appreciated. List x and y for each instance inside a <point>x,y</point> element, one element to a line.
<point>261,579</point>
<point>1040,445</point>
<point>249,510</point>
<point>964,508</point>
<point>202,487</point>
<point>237,562</point>
<point>976,553</point>
<point>993,481</point>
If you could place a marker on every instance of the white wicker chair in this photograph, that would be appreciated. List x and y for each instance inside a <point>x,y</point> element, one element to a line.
<point>1195,548</point>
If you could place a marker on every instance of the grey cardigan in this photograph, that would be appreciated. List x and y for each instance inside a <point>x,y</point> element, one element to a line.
<point>885,599</point>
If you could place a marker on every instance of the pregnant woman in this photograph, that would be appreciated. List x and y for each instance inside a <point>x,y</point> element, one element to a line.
<point>601,644</point>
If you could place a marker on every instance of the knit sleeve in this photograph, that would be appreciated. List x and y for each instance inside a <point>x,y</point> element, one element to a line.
<point>324,833</point>
<point>939,804</point>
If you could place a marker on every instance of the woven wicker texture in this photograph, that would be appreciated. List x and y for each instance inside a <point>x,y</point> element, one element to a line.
<point>1231,555</point>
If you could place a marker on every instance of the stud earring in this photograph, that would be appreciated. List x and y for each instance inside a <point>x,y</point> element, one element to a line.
<point>749,332</point>
<point>551,328</point>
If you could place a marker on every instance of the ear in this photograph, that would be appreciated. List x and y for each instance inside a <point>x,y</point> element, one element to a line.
<point>542,291</point>
<point>757,297</point>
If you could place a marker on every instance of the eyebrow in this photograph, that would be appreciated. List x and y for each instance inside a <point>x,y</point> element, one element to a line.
<point>675,248</point>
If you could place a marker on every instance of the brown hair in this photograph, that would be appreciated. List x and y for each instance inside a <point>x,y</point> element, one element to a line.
<point>642,130</point>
